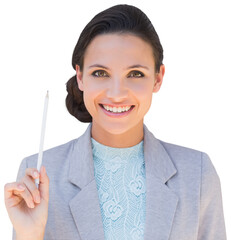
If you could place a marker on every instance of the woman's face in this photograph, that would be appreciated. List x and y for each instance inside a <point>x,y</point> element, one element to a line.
<point>118,72</point>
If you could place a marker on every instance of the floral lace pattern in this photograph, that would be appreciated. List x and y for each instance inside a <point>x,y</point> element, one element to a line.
<point>120,179</point>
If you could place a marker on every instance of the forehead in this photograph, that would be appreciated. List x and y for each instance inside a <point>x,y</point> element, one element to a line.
<point>119,47</point>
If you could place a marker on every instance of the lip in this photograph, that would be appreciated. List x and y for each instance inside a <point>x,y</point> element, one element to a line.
<point>117,115</point>
<point>117,106</point>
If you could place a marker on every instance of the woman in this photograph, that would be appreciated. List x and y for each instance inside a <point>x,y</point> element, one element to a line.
<point>116,181</point>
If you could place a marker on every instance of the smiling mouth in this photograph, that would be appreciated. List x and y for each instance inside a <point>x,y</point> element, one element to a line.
<point>117,112</point>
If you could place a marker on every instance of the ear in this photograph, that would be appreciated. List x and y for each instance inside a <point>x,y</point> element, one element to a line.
<point>159,79</point>
<point>79,76</point>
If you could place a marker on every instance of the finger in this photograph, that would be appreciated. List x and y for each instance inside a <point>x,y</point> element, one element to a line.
<point>10,187</point>
<point>32,172</point>
<point>30,184</point>
<point>44,184</point>
<point>13,201</point>
<point>14,192</point>
<point>26,195</point>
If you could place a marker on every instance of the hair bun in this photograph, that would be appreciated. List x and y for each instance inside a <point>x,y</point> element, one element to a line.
<point>74,101</point>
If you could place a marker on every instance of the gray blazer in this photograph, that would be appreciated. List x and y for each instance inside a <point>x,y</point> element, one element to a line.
<point>183,192</point>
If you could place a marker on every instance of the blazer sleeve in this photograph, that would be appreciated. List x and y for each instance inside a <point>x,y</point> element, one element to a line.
<point>211,222</point>
<point>21,172</point>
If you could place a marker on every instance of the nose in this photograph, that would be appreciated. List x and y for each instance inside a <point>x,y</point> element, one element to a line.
<point>117,91</point>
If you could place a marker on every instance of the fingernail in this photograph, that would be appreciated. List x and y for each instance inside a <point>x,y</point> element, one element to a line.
<point>31,205</point>
<point>37,199</point>
<point>36,174</point>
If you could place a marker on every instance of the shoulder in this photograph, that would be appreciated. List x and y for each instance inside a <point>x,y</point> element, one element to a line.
<point>52,156</point>
<point>179,152</point>
<point>185,154</point>
<point>189,161</point>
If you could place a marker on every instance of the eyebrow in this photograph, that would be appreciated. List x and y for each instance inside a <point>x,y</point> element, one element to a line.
<point>133,66</point>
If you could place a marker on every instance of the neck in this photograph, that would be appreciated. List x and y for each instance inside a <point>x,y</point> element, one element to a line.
<point>128,138</point>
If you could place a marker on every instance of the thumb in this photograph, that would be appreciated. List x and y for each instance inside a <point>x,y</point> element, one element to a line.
<point>44,184</point>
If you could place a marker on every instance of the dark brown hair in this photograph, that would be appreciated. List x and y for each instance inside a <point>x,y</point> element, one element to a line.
<point>120,18</point>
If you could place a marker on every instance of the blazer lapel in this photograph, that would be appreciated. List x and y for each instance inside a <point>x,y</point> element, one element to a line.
<point>161,202</point>
<point>85,206</point>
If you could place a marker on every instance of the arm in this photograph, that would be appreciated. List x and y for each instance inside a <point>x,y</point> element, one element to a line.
<point>211,222</point>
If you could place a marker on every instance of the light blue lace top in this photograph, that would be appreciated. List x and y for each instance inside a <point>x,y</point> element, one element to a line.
<point>120,179</point>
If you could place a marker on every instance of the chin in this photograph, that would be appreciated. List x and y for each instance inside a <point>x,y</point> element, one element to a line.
<point>117,128</point>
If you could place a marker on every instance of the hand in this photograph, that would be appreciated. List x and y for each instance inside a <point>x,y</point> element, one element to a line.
<point>27,206</point>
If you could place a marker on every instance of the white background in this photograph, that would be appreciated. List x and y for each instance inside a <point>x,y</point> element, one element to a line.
<point>192,108</point>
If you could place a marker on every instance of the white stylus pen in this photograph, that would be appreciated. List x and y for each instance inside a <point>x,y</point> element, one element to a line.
<point>40,154</point>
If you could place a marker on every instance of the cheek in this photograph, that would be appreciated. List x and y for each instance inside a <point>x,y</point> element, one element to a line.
<point>92,86</point>
<point>144,97</point>
<point>143,91</point>
<point>91,91</point>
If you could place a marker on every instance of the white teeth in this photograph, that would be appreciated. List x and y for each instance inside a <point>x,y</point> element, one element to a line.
<point>115,109</point>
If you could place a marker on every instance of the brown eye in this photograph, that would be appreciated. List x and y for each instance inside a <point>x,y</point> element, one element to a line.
<point>99,73</point>
<point>136,74</point>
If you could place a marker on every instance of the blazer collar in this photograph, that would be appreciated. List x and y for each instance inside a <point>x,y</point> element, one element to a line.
<point>157,160</point>
<point>81,170</point>
<point>161,201</point>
